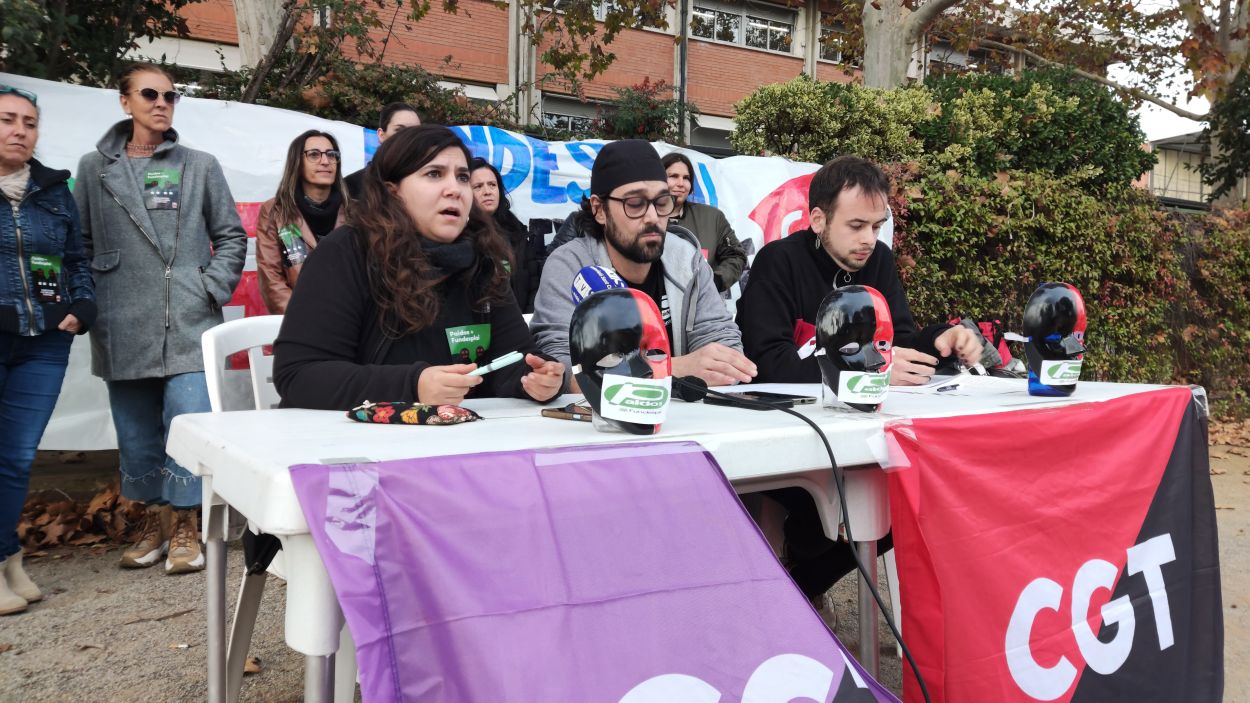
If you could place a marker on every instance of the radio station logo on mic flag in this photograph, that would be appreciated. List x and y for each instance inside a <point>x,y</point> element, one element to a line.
<point>592,279</point>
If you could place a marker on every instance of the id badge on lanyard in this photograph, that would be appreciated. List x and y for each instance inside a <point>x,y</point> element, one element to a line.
<point>162,188</point>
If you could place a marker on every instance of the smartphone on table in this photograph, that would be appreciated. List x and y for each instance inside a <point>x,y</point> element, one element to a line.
<point>572,411</point>
<point>782,400</point>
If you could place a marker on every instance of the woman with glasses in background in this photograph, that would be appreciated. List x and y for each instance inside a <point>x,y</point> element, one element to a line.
<point>167,250</point>
<point>46,298</point>
<point>311,201</point>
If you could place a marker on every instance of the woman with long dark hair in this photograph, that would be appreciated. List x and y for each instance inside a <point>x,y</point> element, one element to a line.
<point>311,201</point>
<point>395,305</point>
<point>490,196</point>
<point>167,250</point>
<point>46,297</point>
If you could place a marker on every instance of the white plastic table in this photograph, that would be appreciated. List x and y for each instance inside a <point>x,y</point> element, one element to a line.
<point>244,458</point>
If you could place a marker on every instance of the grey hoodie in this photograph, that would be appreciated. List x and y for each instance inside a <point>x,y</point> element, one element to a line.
<point>699,315</point>
<point>158,286</point>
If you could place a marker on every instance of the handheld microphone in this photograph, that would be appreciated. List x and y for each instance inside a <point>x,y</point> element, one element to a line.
<point>592,279</point>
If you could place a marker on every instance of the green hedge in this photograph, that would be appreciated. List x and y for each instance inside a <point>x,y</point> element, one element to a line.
<point>1048,121</point>
<point>1166,295</point>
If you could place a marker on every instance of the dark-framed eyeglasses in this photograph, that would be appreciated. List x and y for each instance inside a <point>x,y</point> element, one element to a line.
<point>314,155</point>
<point>8,89</point>
<point>151,94</point>
<point>635,206</point>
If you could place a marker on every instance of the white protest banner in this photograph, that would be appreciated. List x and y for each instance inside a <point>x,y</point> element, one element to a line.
<point>763,198</point>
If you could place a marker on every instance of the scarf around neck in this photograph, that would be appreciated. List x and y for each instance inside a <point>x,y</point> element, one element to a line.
<point>450,258</point>
<point>14,185</point>
<point>321,217</point>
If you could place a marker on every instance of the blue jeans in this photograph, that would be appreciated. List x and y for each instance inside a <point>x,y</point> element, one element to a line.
<point>142,411</point>
<point>31,371</point>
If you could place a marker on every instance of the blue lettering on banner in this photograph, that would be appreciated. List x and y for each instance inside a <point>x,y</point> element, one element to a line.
<point>371,144</point>
<point>537,160</point>
<point>541,189</point>
<point>710,198</point>
<point>584,153</point>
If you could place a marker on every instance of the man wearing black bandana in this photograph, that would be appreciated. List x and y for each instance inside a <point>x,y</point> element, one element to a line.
<point>628,212</point>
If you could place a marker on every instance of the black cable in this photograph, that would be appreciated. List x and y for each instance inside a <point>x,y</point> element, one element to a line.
<point>846,523</point>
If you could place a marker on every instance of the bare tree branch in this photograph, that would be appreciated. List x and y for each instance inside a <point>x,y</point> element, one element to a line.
<point>1135,92</point>
<point>923,16</point>
<point>290,17</point>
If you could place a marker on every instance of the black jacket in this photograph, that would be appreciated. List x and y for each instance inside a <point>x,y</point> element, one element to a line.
<point>332,353</point>
<point>355,182</point>
<point>526,269</point>
<point>788,280</point>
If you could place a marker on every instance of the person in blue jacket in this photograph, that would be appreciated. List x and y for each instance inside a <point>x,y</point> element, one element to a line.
<point>46,297</point>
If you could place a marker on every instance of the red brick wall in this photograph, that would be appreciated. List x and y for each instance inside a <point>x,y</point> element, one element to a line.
<point>720,75</point>
<point>836,73</point>
<point>212,20</point>
<point>476,39</point>
<point>639,54</point>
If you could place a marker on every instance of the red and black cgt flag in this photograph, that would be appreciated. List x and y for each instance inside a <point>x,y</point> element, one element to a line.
<point>1065,554</point>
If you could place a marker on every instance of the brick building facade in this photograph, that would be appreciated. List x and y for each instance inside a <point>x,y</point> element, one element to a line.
<point>734,47</point>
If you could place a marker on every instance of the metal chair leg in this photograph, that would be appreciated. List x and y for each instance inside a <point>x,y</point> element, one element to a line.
<point>250,592</point>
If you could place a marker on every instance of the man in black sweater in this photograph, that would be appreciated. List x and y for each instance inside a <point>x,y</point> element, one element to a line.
<point>777,316</point>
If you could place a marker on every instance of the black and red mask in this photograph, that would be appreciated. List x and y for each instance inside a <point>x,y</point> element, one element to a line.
<point>1054,328</point>
<point>619,348</point>
<point>855,346</point>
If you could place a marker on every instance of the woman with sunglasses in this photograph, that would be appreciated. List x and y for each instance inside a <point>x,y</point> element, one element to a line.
<point>387,305</point>
<point>311,201</point>
<point>46,297</point>
<point>167,251</point>
<point>489,195</point>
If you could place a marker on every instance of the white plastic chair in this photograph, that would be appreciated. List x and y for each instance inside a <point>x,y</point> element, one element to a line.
<point>254,390</point>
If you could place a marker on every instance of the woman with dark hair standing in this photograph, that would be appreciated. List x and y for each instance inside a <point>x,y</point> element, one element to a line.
<point>387,303</point>
<point>310,203</point>
<point>167,249</point>
<point>46,297</point>
<point>489,195</point>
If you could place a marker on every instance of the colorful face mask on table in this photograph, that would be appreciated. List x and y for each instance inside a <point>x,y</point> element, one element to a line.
<point>1054,327</point>
<point>855,347</point>
<point>620,354</point>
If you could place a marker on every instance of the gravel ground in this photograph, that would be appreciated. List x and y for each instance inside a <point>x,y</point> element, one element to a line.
<point>104,634</point>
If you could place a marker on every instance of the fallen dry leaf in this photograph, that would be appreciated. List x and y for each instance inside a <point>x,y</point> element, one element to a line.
<point>1224,507</point>
<point>252,666</point>
<point>1218,456</point>
<point>5,647</point>
<point>52,519</point>
<point>1218,472</point>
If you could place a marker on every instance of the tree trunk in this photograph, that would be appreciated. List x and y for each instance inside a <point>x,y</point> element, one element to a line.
<point>887,53</point>
<point>259,22</point>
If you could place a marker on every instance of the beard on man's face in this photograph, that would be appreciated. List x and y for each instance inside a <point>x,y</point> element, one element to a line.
<point>634,248</point>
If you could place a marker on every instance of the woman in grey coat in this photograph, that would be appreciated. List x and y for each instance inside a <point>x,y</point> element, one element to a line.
<point>166,248</point>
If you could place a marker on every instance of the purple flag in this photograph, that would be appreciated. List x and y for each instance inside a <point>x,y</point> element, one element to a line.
<point>622,574</point>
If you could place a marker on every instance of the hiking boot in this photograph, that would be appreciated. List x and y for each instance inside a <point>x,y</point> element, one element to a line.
<point>185,554</point>
<point>152,543</point>
<point>18,581</point>
<point>10,602</point>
